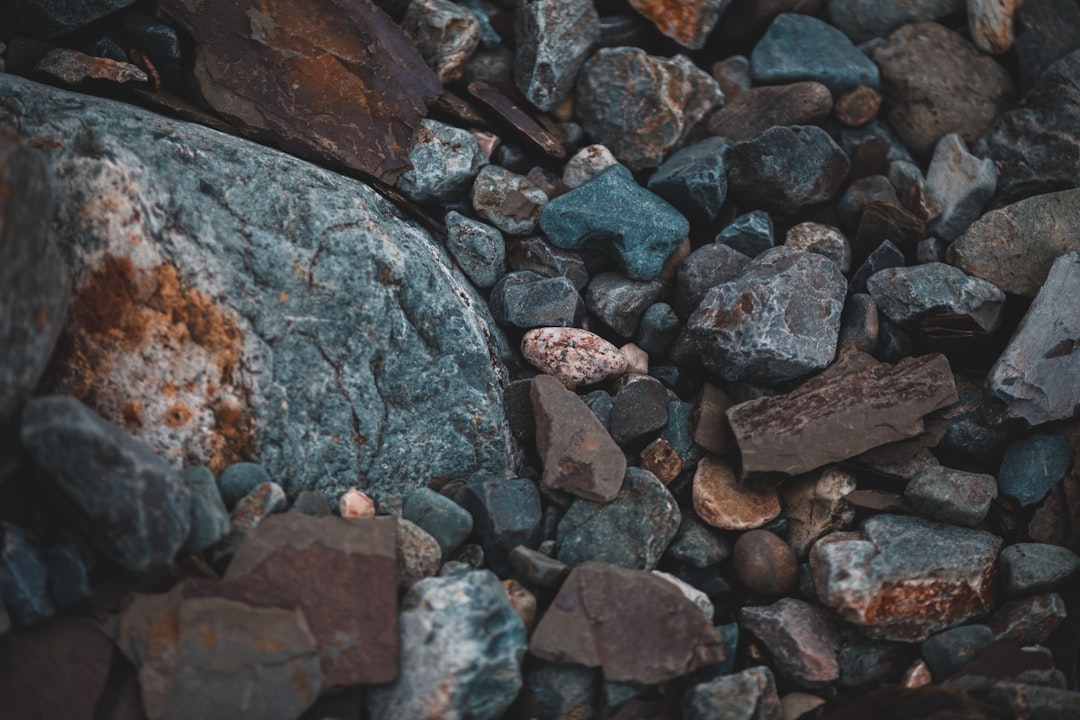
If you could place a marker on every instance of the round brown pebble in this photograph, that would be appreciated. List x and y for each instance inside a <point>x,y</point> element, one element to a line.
<point>765,563</point>
<point>858,107</point>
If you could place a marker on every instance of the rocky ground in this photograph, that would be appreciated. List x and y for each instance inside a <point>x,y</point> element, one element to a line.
<point>703,359</point>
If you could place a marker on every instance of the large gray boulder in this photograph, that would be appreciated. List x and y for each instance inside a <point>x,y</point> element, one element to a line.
<point>232,302</point>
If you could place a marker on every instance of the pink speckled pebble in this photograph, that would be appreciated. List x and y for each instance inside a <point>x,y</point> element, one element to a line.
<point>355,504</point>
<point>574,356</point>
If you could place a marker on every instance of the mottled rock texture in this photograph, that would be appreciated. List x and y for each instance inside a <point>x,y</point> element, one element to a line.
<point>553,42</point>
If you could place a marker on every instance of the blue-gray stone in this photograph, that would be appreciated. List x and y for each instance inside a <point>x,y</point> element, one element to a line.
<point>698,545</point>
<point>619,301</point>
<point>947,651</point>
<point>445,159</point>
<point>930,250</point>
<point>69,575</point>
<point>778,321</point>
<point>1029,568</point>
<point>239,479</point>
<point>905,294</point>
<point>132,506</point>
<point>477,248</point>
<point>553,41</point>
<point>747,695</point>
<point>800,47</point>
<point>787,168</point>
<point>865,19</point>
<point>507,200</point>
<point>538,568</point>
<point>638,411</point>
<point>952,496</point>
<point>870,661</point>
<point>562,692</point>
<point>657,329</point>
<point>209,517</point>
<point>462,645</point>
<point>439,516</point>
<point>694,179</point>
<point>49,19</point>
<point>601,403</point>
<point>313,503</point>
<point>631,531</point>
<point>526,300</point>
<point>886,255</point>
<point>961,185</point>
<point>545,259</point>
<point>158,40</point>
<point>862,192</point>
<point>751,234</point>
<point>1032,466</point>
<point>613,214</point>
<point>506,513</point>
<point>679,435</point>
<point>1030,620</point>
<point>519,410</point>
<point>23,577</point>
<point>704,269</point>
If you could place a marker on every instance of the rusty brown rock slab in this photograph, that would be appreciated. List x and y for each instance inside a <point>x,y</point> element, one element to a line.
<point>334,81</point>
<point>812,425</point>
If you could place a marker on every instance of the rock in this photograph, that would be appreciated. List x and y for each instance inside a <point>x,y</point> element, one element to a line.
<point>1029,621</point>
<point>418,554</point>
<point>814,506</point>
<point>635,626</point>
<point>578,454</point>
<point>747,695</point>
<point>537,567</point>
<point>526,300</point>
<point>991,24</point>
<point>687,23</point>
<point>917,676</point>
<point>823,240</point>
<point>49,19</point>
<point>705,268</point>
<point>859,106</point>
<point>445,34</point>
<point>952,496</point>
<point>859,326</point>
<point>1020,698</point>
<point>477,248</point>
<point>961,185</point>
<point>562,691</point>
<point>765,563</point>
<point>74,69</point>
<point>506,514</point>
<point>444,160</point>
<point>442,518</point>
<point>631,531</point>
<point>209,516</point>
<point>1035,374</point>
<point>755,110</point>
<point>194,306</point>
<point>885,256</point>
<point>751,330</point>
<point>750,234</point>
<point>862,192</point>
<point>700,600</point>
<point>461,650</point>
<point>575,357</point>
<point>785,169</point>
<point>69,573</point>
<point>657,329</point>
<point>1032,467</point>
<point>873,661</point>
<point>903,578</point>
<point>1029,568</point>
<point>24,577</point>
<point>865,19</point>
<point>935,83</point>
<point>803,640</point>
<point>352,505</point>
<point>553,41</point>
<point>946,652</point>
<point>34,277</point>
<point>642,106</point>
<point>807,428</point>
<point>905,294</point>
<point>613,214</point>
<point>723,502</point>
<point>264,500</point>
<point>694,179</point>
<point>620,302</point>
<point>800,47</point>
<point>639,410</point>
<point>1047,33</point>
<point>507,200</point>
<point>239,479</point>
<point>697,544</point>
<point>660,459</point>
<point>587,163</point>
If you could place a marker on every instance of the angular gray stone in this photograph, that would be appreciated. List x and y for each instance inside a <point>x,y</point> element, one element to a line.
<point>620,302</point>
<point>445,33</point>
<point>553,40</point>
<point>821,239</point>
<point>802,638</point>
<point>461,650</point>
<point>478,249</point>
<point>1028,621</point>
<point>799,47</point>
<point>947,651</point>
<point>694,179</point>
<point>779,320</point>
<point>873,661</point>
<point>961,185</point>
<point>708,266</point>
<point>507,200</point>
<point>563,691</point>
<point>1038,374</point>
<point>1029,568</point>
<point>952,496</point>
<point>905,294</point>
<point>747,695</point>
<point>697,544</point>
<point>865,19</point>
<point>506,514</point>
<point>751,234</point>
<point>446,521</point>
<point>545,259</point>
<point>322,333</point>
<point>209,517</point>
<point>527,300</point>
<point>445,159</point>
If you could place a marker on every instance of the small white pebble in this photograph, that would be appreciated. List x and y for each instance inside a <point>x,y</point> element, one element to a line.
<point>586,164</point>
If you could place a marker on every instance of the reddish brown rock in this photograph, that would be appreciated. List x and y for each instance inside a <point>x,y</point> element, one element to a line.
<point>991,24</point>
<point>758,109</point>
<point>687,22</point>
<point>661,460</point>
<point>803,639</point>
<point>857,107</point>
<point>71,67</point>
<point>523,601</point>
<point>635,626</point>
<point>574,356</point>
<point>333,82</point>
<point>418,553</point>
<point>723,502</point>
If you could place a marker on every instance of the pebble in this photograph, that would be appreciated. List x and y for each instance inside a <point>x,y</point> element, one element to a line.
<point>946,652</point>
<point>523,602</point>
<point>507,200</point>
<point>785,169</point>
<point>814,506</point>
<point>562,691</point>
<point>885,256</point>
<point>637,360</point>
<point>239,479</point>
<point>445,520</point>
<point>881,222</point>
<point>24,577</point>
<point>800,47</point>
<point>765,563</point>
<point>445,159</point>
<point>694,179</point>
<point>911,188</point>
<point>952,496</point>
<point>543,258</point>
<point>600,403</point>
<point>862,192</point>
<point>75,69</point>
<point>209,517</point>
<point>697,544</point>
<point>750,234</point>
<point>821,239</point>
<point>1029,568</point>
<point>961,185</point>
<point>1032,467</point>
<point>917,676</point>
<point>585,164</point>
<point>69,573</point>
<point>661,460</point>
<point>552,40</point>
<point>687,22</point>
<point>733,74</point>
<point>905,294</point>
<point>723,502</point>
<point>314,503</point>
<point>354,504</point>
<point>444,33</point>
<point>930,250</point>
<point>538,568</point>
<point>477,248</point>
<point>858,106</point>
<point>1028,621</point>
<point>859,325</point>
<point>506,514</point>
<point>865,19</point>
<point>755,110</point>
<point>525,299</point>
<point>574,356</point>
<point>991,24</point>
<point>614,215</point>
<point>705,268</point>
<point>746,695</point>
<point>873,661</point>
<point>620,302</point>
<point>638,411</point>
<point>263,500</point>
<point>700,599</point>
<point>657,329</point>
<point>418,554</point>
<point>803,640</point>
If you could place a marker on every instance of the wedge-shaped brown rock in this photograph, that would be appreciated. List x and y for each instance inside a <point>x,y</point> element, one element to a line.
<point>334,81</point>
<point>634,625</point>
<point>855,405</point>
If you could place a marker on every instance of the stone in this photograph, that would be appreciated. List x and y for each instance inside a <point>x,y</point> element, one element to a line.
<point>537,567</point>
<point>24,577</point>
<point>752,329</point>
<point>418,554</point>
<point>353,504</point>
<point>1028,621</point>
<point>747,695</point>
<point>442,518</point>
<point>258,293</point>
<point>862,192</point>
<point>785,169</point>
<point>700,600</point>
<point>639,410</point>
<point>750,234</point>
<point>881,223</point>
<point>904,578</point>
<point>723,502</point>
<point>587,163</point>
<point>1032,467</point>
<point>795,705</point>
<point>1029,568</point>
<point>952,496</point>
<point>635,626</point>
<point>935,83</point>
<point>521,123</point>
<point>553,40</point>
<point>705,268</point>
<point>859,326</point>
<point>659,458</point>
<point>74,69</point>
<point>694,179</point>
<point>885,256</point>
<point>631,531</point>
<point>807,428</point>
<point>49,19</point>
<point>858,106</point>
<point>477,248</point>
<point>34,277</point>
<point>620,302</point>
<point>991,24</point>
<point>733,74</point>
<point>133,507</point>
<point>526,300</point>
<point>69,573</point>
<point>239,479</point>
<point>543,258</point>
<point>906,294</point>
<point>800,47</point>
<point>445,34</point>
<point>1046,33</point>
<point>814,506</point>
<point>506,514</point>
<point>507,200</point>
<point>444,160</point>
<point>657,329</point>
<point>578,454</point>
<point>697,544</point>
<point>911,188</point>
<point>765,563</point>
<point>462,646</point>
<point>1035,374</point>
<point>209,516</point>
<point>917,676</point>
<point>873,661</point>
<point>864,19</point>
<point>642,106</point>
<point>614,215</point>
<point>263,500</point>
<point>562,691</point>
<point>947,651</point>
<point>961,185</point>
<point>821,239</point>
<point>687,23</point>
<point>1021,698</point>
<point>573,356</point>
<point>755,110</point>
<point>803,639</point>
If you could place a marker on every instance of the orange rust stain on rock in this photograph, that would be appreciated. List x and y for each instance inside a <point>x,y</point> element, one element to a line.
<point>162,637</point>
<point>233,424</point>
<point>130,413</point>
<point>177,415</point>
<point>940,601</point>
<point>678,19</point>
<point>206,636</point>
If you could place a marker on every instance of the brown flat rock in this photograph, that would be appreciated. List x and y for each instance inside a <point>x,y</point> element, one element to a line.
<point>723,502</point>
<point>756,110</point>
